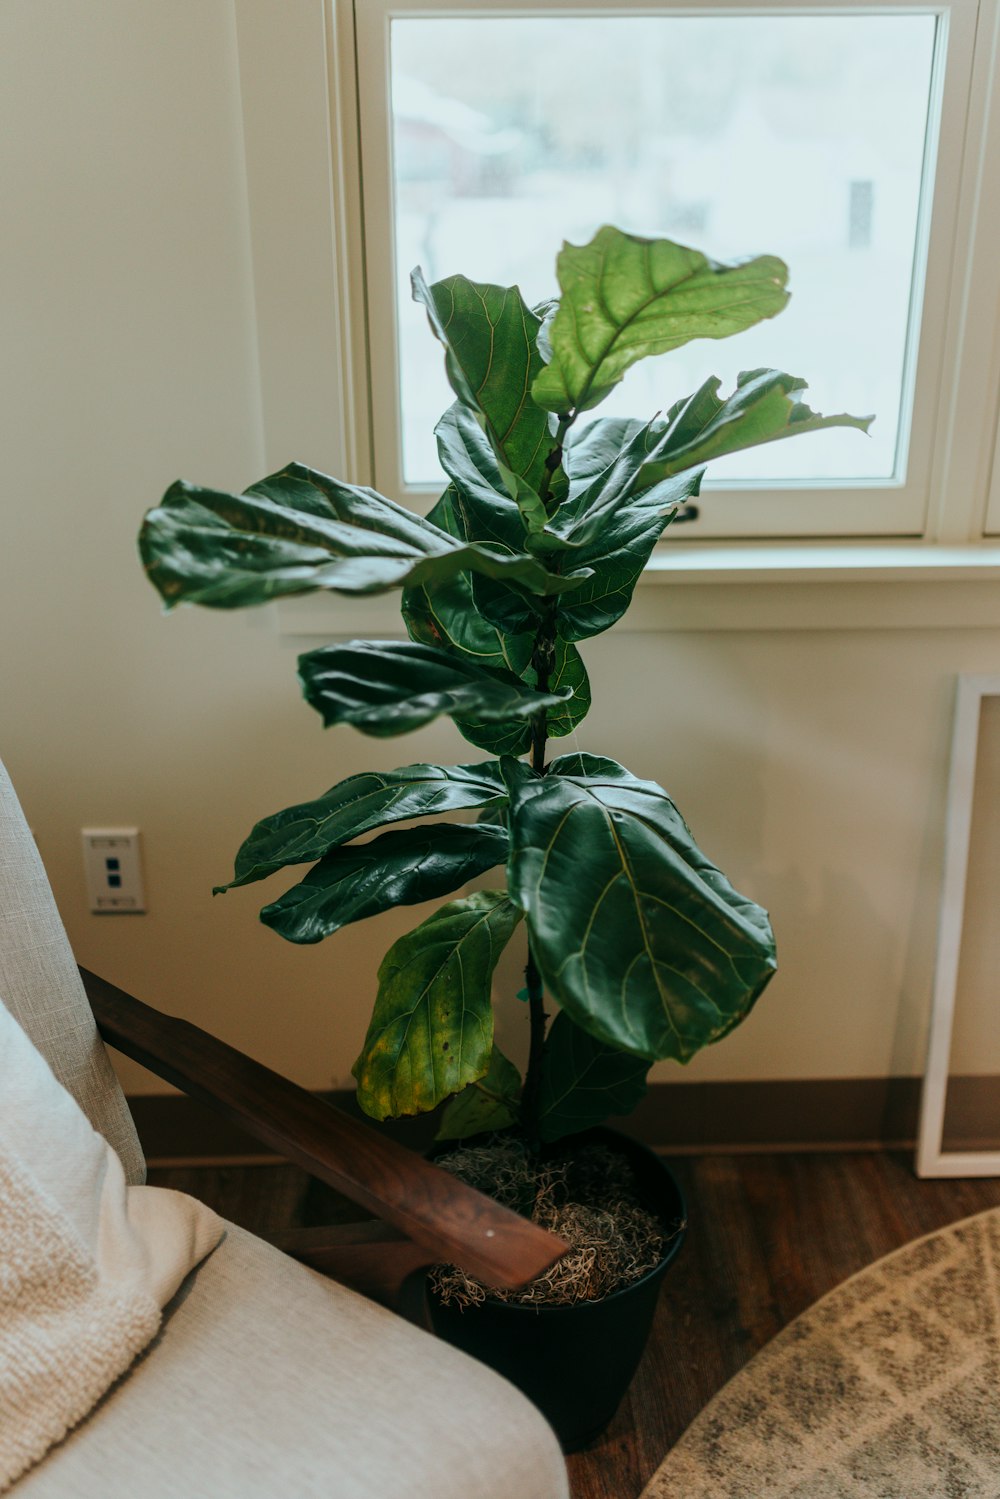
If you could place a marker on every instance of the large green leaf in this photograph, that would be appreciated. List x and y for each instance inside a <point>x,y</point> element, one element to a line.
<point>432,1028</point>
<point>502,603</point>
<point>764,407</point>
<point>500,618</point>
<point>637,935</point>
<point>364,511</point>
<point>445,615</point>
<point>388,687</point>
<point>304,833</point>
<point>592,449</point>
<point>204,546</point>
<point>589,506</point>
<point>508,610</point>
<point>513,736</point>
<point>614,515</point>
<point>489,513</point>
<point>583,1081</point>
<point>624,298</point>
<point>618,554</point>
<point>400,868</point>
<point>491,356</point>
<point>492,1102</point>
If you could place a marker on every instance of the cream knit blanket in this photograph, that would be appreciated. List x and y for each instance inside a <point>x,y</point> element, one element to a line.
<point>65,1335</point>
<point>86,1261</point>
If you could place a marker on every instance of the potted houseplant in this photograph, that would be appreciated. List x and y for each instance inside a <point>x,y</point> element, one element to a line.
<point>535,545</point>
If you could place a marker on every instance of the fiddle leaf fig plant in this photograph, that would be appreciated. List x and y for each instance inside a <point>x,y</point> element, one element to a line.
<point>536,544</point>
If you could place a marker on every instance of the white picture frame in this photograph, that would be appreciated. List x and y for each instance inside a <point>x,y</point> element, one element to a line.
<point>931,1158</point>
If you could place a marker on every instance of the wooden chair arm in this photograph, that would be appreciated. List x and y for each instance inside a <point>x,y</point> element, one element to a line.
<point>451,1221</point>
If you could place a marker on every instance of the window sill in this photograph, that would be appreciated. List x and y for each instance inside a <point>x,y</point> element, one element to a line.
<point>753,586</point>
<point>824,562</point>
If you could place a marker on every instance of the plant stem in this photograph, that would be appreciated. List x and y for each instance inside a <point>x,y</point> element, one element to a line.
<point>531,1097</point>
<point>554,458</point>
<point>543,658</point>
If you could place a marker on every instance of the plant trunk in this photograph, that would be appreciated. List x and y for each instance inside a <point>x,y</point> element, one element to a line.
<point>542,661</point>
<point>533,1077</point>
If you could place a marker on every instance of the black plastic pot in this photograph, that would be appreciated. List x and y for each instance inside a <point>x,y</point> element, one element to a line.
<point>576,1362</point>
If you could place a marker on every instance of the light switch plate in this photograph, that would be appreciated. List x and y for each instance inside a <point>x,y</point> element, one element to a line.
<point>114,876</point>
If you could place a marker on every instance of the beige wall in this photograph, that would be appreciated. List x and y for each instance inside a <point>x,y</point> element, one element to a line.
<point>811,763</point>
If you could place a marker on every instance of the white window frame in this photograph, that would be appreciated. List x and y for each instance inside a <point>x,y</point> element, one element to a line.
<point>338,53</point>
<point>932,1159</point>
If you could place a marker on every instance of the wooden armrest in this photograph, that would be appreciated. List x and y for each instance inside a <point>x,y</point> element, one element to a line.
<point>439,1213</point>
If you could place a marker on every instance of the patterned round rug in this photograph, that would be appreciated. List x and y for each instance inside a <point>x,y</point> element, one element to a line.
<point>888,1388</point>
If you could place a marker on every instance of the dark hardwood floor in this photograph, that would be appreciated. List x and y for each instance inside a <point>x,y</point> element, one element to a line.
<point>769,1234</point>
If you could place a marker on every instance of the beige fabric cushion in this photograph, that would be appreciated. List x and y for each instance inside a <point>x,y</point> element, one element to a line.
<point>41,986</point>
<point>267,1380</point>
<point>65,1336</point>
<point>87,1262</point>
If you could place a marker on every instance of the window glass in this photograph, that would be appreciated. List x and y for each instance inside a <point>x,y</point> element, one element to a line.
<point>801,136</point>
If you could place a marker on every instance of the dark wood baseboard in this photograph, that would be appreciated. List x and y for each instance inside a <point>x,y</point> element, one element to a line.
<point>679,1118</point>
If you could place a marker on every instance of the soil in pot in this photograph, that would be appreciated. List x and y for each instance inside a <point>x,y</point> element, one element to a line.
<point>572,1339</point>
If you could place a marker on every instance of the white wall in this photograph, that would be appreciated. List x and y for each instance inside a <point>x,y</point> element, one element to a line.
<point>811,763</point>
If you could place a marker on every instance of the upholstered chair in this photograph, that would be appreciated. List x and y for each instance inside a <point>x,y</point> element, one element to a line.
<point>266,1377</point>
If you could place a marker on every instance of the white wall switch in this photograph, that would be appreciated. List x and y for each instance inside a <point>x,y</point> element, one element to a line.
<point>111,864</point>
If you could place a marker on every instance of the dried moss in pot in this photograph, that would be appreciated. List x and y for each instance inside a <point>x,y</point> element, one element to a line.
<point>585,1194</point>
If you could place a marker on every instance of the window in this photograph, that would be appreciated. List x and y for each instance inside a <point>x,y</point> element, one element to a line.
<point>728,131</point>
<point>833,139</point>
